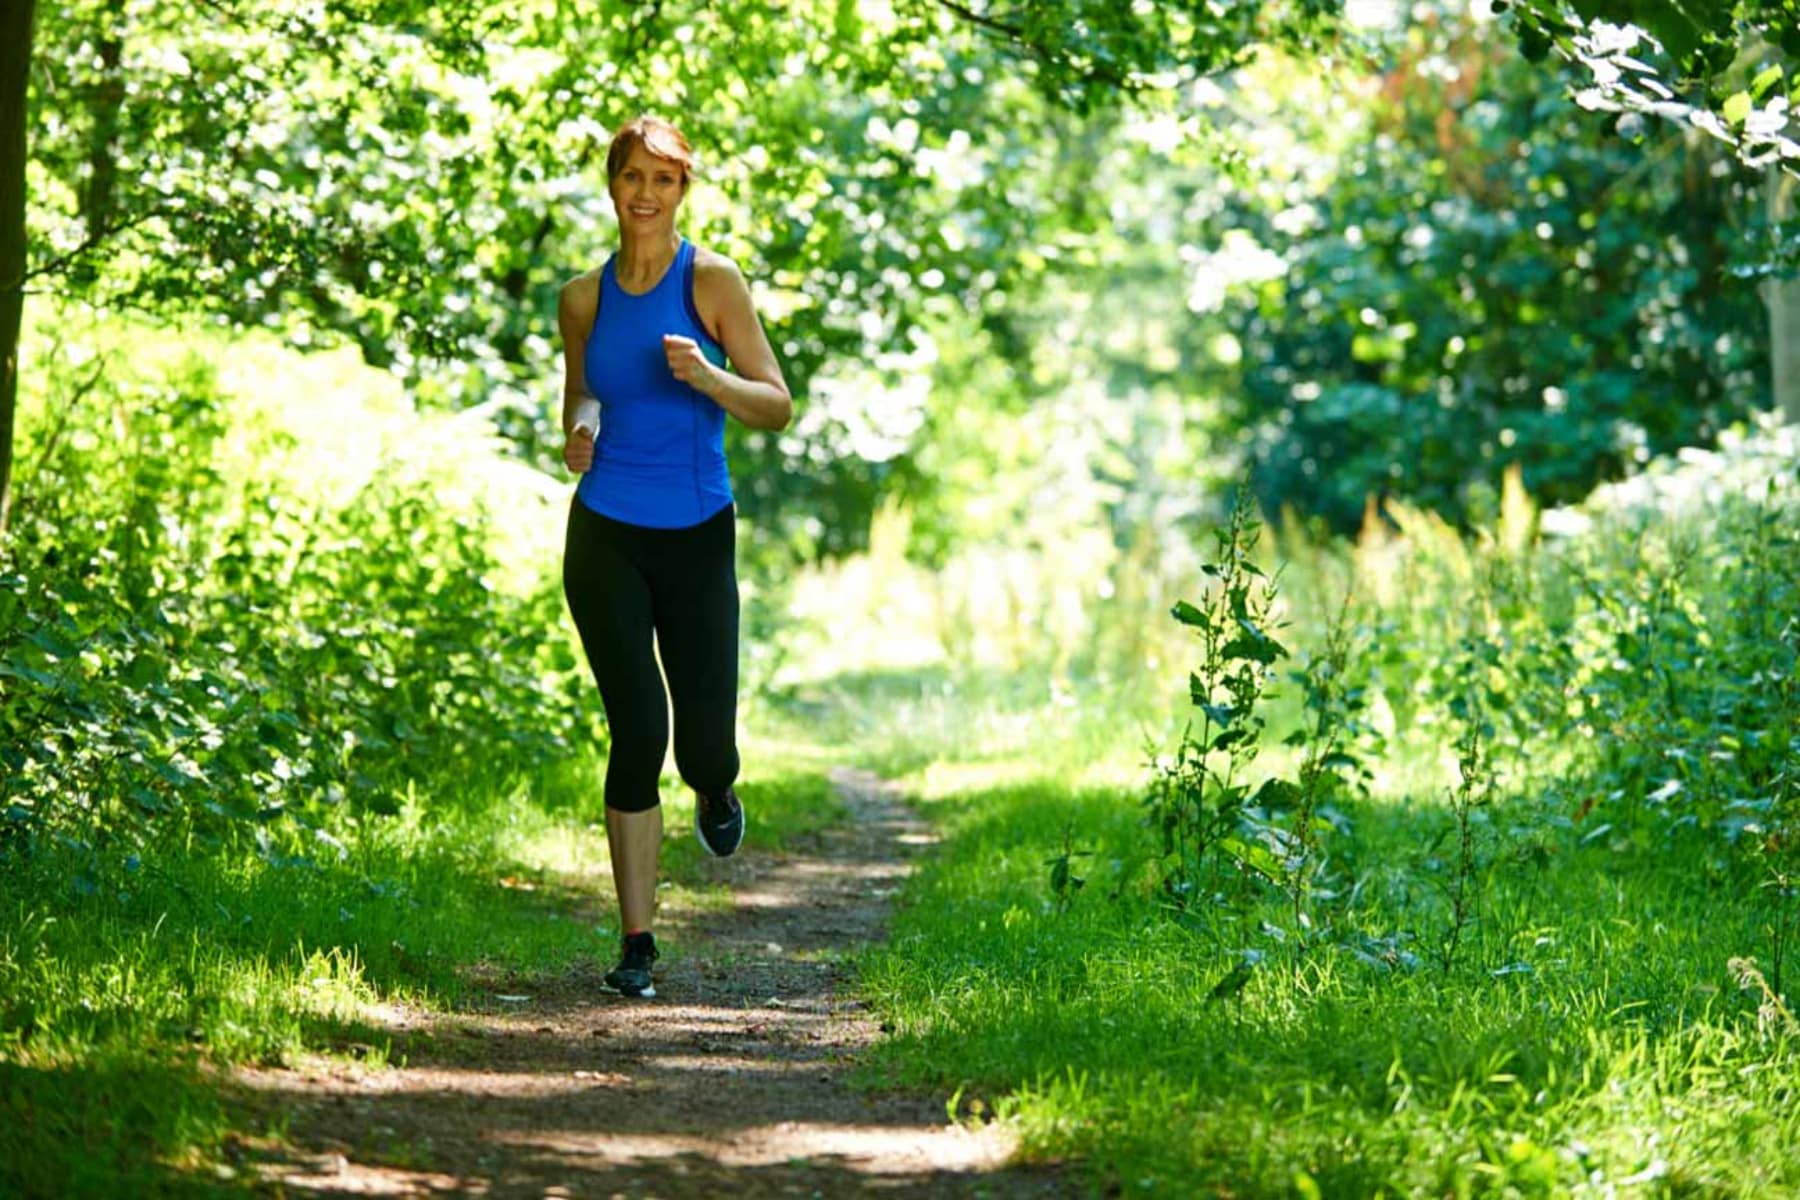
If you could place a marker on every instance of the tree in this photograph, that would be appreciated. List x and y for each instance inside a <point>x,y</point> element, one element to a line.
<point>421,178</point>
<point>1678,62</point>
<point>16,22</point>
<point>1784,303</point>
<point>422,181</point>
<point>1086,54</point>
<point>1722,67</point>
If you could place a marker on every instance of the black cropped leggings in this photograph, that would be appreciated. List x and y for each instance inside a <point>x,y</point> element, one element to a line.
<point>623,584</point>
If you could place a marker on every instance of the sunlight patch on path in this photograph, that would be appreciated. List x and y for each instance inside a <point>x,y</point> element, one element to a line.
<point>881,1150</point>
<point>732,1082</point>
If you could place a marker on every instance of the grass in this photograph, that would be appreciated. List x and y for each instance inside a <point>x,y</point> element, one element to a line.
<point>923,721</point>
<point>126,986</point>
<point>1588,1035</point>
<point>119,1123</point>
<point>1590,1031</point>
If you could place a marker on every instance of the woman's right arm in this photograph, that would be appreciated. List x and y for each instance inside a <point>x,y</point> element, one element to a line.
<point>580,410</point>
<point>574,318</point>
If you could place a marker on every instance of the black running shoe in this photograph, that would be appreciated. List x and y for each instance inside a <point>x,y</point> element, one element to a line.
<point>632,976</point>
<point>719,822</point>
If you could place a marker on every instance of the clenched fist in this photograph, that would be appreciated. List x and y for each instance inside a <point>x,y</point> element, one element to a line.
<point>688,364</point>
<point>578,451</point>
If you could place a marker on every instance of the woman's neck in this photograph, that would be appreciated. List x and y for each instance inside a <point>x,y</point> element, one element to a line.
<point>643,260</point>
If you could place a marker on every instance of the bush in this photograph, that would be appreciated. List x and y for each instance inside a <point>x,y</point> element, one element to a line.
<point>213,621</point>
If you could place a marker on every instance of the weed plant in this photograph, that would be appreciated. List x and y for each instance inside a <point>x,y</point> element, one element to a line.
<point>1198,802</point>
<point>1470,796</point>
<point>1215,816</point>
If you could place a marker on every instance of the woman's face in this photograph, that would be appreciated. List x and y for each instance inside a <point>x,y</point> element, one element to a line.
<point>646,193</point>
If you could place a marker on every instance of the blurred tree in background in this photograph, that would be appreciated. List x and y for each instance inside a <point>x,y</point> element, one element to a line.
<point>421,180</point>
<point>899,176</point>
<point>1389,277</point>
<point>1491,277</point>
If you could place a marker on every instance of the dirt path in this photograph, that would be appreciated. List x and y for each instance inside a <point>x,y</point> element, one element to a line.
<point>731,1083</point>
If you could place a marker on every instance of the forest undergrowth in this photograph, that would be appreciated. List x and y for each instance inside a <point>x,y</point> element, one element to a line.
<point>1433,861</point>
<point>1467,866</point>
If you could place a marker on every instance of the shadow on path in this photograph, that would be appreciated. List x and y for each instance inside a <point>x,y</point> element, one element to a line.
<point>731,1082</point>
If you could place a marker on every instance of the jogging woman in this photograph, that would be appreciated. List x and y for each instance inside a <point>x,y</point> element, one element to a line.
<point>650,557</point>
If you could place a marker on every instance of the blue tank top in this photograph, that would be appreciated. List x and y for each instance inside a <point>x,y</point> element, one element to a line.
<point>660,460</point>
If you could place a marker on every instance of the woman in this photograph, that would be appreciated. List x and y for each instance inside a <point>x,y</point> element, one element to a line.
<point>650,554</point>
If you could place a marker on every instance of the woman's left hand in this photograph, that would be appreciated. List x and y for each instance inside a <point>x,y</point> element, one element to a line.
<point>688,364</point>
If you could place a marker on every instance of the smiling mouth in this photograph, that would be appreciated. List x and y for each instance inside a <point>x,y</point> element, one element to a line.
<point>643,212</point>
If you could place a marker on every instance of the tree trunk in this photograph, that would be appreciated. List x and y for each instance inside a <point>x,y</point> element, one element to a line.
<point>1784,307</point>
<point>15,68</point>
<point>98,196</point>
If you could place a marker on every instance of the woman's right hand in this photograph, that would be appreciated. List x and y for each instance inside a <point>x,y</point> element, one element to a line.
<point>578,450</point>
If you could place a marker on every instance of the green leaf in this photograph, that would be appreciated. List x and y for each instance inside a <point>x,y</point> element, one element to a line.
<point>1231,983</point>
<point>1277,793</point>
<point>1187,614</point>
<point>1257,858</point>
<point>1767,78</point>
<point>33,675</point>
<point>1255,649</point>
<point>52,645</point>
<point>178,776</point>
<point>1250,628</point>
<point>1228,738</point>
<point>1738,108</point>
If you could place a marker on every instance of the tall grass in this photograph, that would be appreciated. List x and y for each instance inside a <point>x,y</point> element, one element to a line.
<point>1545,993</point>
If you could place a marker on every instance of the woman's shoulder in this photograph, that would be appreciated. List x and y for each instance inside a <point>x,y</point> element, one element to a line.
<point>716,277</point>
<point>710,264</point>
<point>581,294</point>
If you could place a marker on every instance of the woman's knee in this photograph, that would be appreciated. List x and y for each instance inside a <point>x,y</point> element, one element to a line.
<point>710,768</point>
<point>634,764</point>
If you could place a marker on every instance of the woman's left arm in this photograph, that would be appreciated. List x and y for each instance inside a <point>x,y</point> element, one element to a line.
<point>755,391</point>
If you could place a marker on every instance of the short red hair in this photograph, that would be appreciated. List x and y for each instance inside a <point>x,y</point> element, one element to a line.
<point>656,135</point>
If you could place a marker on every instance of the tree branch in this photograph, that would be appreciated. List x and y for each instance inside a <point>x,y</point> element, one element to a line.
<point>984,21</point>
<point>1041,54</point>
<point>88,243</point>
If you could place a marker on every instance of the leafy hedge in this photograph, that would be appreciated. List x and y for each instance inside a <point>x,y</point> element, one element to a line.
<point>266,606</point>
